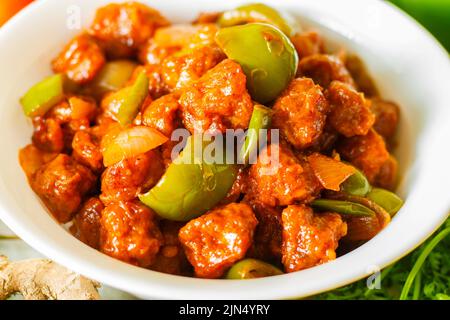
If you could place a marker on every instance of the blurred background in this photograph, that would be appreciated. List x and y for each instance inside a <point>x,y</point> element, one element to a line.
<point>432,14</point>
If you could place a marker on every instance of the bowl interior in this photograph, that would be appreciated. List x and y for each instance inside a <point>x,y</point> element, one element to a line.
<point>393,49</point>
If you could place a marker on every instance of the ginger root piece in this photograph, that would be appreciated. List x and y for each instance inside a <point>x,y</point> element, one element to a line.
<point>41,279</point>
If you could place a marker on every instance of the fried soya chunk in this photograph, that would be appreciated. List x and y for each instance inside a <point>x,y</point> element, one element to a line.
<point>86,150</point>
<point>350,112</point>
<point>368,153</point>
<point>62,185</point>
<point>387,176</point>
<point>361,76</point>
<point>80,60</point>
<point>171,258</point>
<point>307,44</point>
<point>218,101</point>
<point>182,69</point>
<point>324,69</point>
<point>154,54</point>
<point>268,234</point>
<point>300,113</point>
<point>309,239</point>
<point>387,115</point>
<point>216,240</point>
<point>162,114</point>
<point>32,158</point>
<point>86,223</point>
<point>129,232</point>
<point>123,28</point>
<point>279,178</point>
<point>238,188</point>
<point>48,135</point>
<point>126,179</point>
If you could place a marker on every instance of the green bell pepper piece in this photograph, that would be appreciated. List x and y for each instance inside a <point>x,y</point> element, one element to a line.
<point>251,269</point>
<point>112,77</point>
<point>266,55</point>
<point>190,186</point>
<point>131,98</point>
<point>342,207</point>
<point>357,184</point>
<point>389,201</point>
<point>257,12</point>
<point>261,118</point>
<point>43,96</point>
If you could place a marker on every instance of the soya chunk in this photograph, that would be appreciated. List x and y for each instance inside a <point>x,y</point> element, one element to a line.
<point>32,158</point>
<point>219,100</point>
<point>387,115</point>
<point>171,258</point>
<point>86,150</point>
<point>86,223</point>
<point>48,135</point>
<point>309,239</point>
<point>123,28</point>
<point>182,69</point>
<point>368,153</point>
<point>350,112</point>
<point>124,180</point>
<point>214,241</point>
<point>80,60</point>
<point>387,176</point>
<point>281,181</point>
<point>161,114</point>
<point>300,113</point>
<point>130,233</point>
<point>307,44</point>
<point>62,185</point>
<point>324,69</point>
<point>268,234</point>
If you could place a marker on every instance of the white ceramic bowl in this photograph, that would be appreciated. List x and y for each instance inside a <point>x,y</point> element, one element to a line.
<point>408,65</point>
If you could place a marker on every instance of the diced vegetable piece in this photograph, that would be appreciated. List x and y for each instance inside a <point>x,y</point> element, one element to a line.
<point>261,118</point>
<point>257,12</point>
<point>251,269</point>
<point>267,56</point>
<point>330,172</point>
<point>113,76</point>
<point>357,184</point>
<point>389,201</point>
<point>342,207</point>
<point>43,96</point>
<point>119,144</point>
<point>190,186</point>
<point>128,100</point>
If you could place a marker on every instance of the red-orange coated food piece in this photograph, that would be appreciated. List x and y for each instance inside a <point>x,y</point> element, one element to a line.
<point>62,185</point>
<point>123,28</point>
<point>162,114</point>
<point>86,150</point>
<point>324,69</point>
<point>126,179</point>
<point>387,116</point>
<point>219,238</point>
<point>80,60</point>
<point>219,100</point>
<point>129,232</point>
<point>86,223</point>
<point>350,112</point>
<point>309,239</point>
<point>283,180</point>
<point>300,113</point>
<point>307,44</point>
<point>368,153</point>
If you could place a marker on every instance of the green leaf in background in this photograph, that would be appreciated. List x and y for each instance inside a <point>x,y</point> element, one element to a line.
<point>432,279</point>
<point>432,14</point>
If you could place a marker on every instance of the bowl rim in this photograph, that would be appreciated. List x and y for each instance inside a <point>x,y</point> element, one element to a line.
<point>146,283</point>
